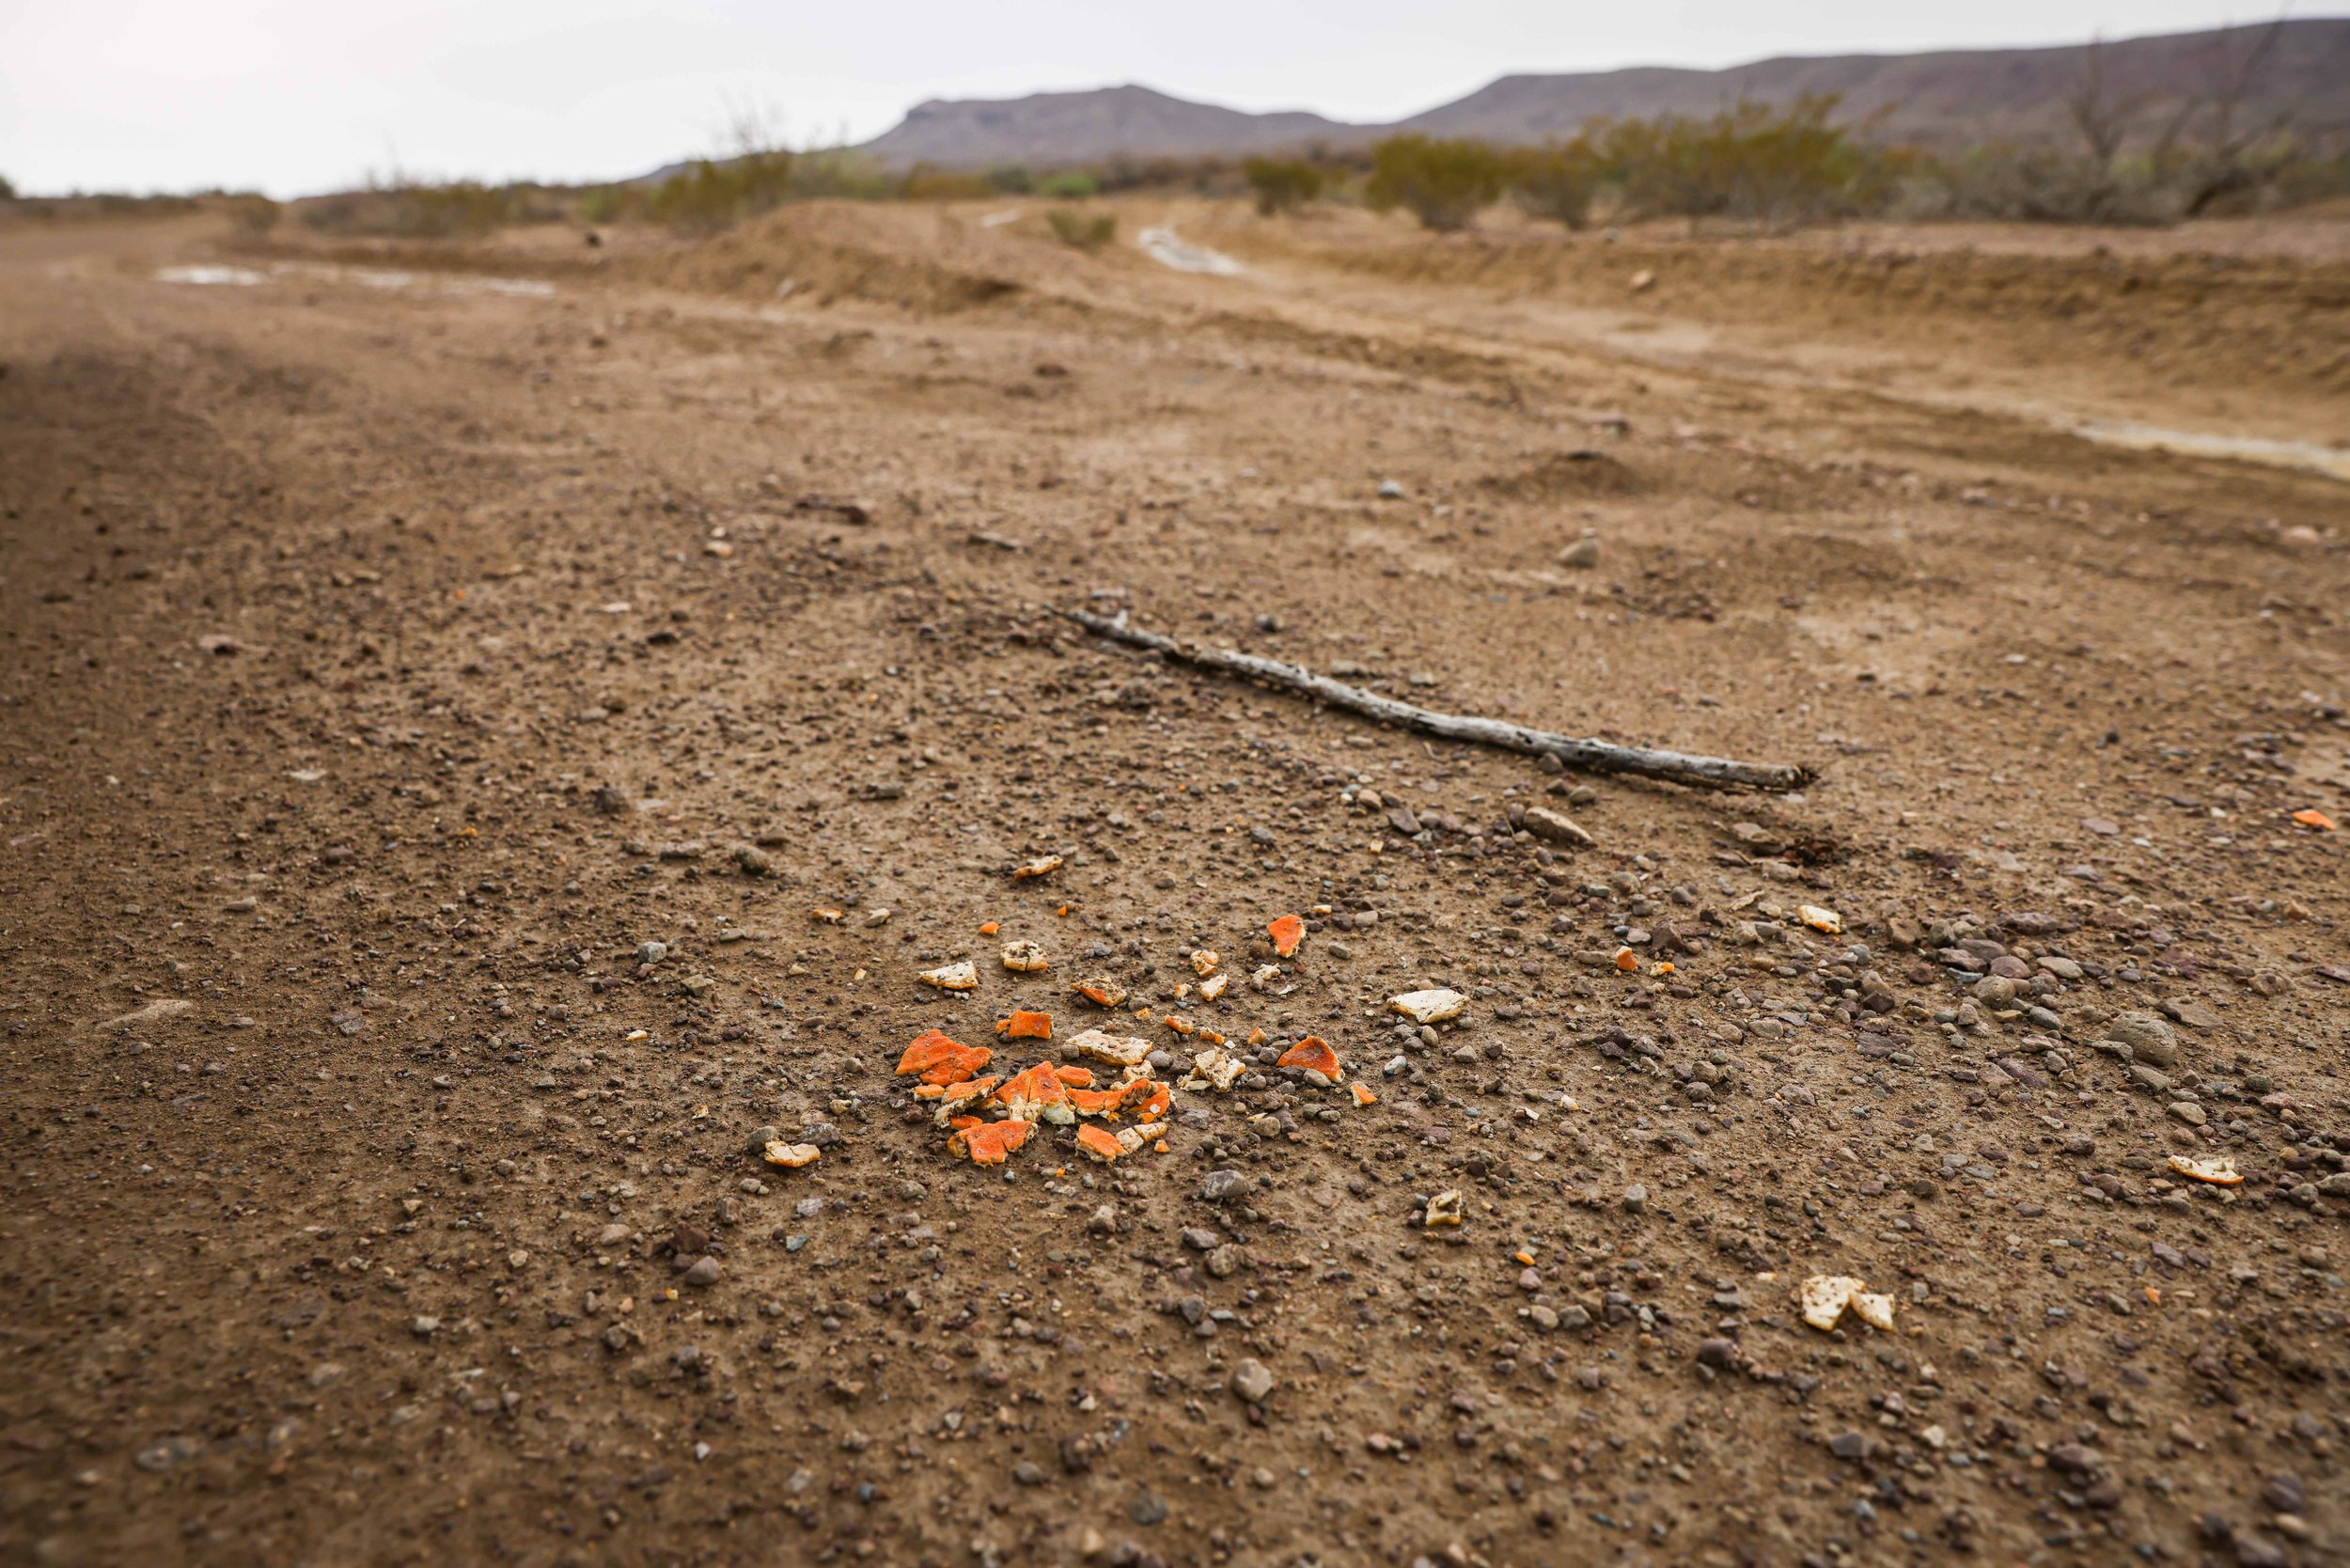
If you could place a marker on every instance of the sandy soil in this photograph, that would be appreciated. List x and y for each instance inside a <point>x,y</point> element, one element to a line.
<point>434,710</point>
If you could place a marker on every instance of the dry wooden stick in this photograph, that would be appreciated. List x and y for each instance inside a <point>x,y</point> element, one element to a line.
<point>1705,773</point>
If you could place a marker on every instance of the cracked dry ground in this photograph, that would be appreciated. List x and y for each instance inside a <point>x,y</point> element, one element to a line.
<point>386,667</point>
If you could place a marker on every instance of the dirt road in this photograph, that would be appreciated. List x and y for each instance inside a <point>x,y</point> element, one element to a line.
<point>492,734</point>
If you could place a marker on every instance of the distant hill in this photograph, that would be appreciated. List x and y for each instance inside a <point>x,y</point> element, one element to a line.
<point>1948,99</point>
<point>1083,127</point>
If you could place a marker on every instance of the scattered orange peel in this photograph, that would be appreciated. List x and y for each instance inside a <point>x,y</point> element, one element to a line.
<point>953,977</point>
<point>988,1142</point>
<point>1037,1095</point>
<point>1101,991</point>
<point>1314,1055</point>
<point>2314,818</point>
<point>1025,1024</point>
<point>1286,933</point>
<point>2217,1169</point>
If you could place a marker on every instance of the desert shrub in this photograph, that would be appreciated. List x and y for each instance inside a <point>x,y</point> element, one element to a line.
<point>1070,185</point>
<point>1281,184</point>
<point>1084,230</point>
<point>838,172</point>
<point>712,196</point>
<point>8,192</point>
<point>253,215</point>
<point>1557,181</point>
<point>1010,180</point>
<point>924,183</point>
<point>1442,182</point>
<point>412,210</point>
<point>1752,162</point>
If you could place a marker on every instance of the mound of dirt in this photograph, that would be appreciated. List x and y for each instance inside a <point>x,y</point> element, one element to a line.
<point>1564,475</point>
<point>831,253</point>
<point>2189,317</point>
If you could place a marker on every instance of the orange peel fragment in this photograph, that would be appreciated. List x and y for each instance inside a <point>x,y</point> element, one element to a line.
<point>2217,1169</point>
<point>940,1059</point>
<point>1286,933</point>
<point>959,1093</point>
<point>1023,1024</point>
<point>988,1142</point>
<point>1313,1054</point>
<point>2316,819</point>
<point>1101,993</point>
<point>1099,1142</point>
<point>1037,1095</point>
<point>1364,1095</point>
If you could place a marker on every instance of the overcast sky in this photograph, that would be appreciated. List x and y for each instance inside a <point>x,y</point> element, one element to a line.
<point>295,96</point>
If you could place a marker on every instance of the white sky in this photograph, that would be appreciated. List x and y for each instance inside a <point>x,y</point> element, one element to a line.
<point>295,96</point>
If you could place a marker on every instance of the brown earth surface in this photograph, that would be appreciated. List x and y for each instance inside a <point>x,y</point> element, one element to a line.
<point>394,656</point>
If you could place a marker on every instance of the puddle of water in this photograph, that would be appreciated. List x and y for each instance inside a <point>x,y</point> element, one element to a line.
<point>244,276</point>
<point>1162,246</point>
<point>2286,454</point>
<point>366,277</point>
<point>525,288</point>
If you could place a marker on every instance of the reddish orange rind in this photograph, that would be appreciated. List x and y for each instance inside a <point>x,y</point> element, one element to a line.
<point>1312,1053</point>
<point>1037,1095</point>
<point>988,1142</point>
<point>1287,932</point>
<point>1023,1024</point>
<point>940,1059</point>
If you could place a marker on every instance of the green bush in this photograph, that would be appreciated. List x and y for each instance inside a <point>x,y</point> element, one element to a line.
<point>1282,184</point>
<point>411,210</point>
<point>254,214</point>
<point>1072,186</point>
<point>1752,162</point>
<point>1010,178</point>
<point>8,192</point>
<point>1086,231</point>
<point>1556,182</point>
<point>1441,182</point>
<point>713,195</point>
<point>923,182</point>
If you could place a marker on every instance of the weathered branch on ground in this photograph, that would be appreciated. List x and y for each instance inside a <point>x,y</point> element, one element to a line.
<point>1704,772</point>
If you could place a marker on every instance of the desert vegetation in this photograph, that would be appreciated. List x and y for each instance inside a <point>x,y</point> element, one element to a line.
<point>2130,159</point>
<point>1281,184</point>
<point>1443,182</point>
<point>1081,231</point>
